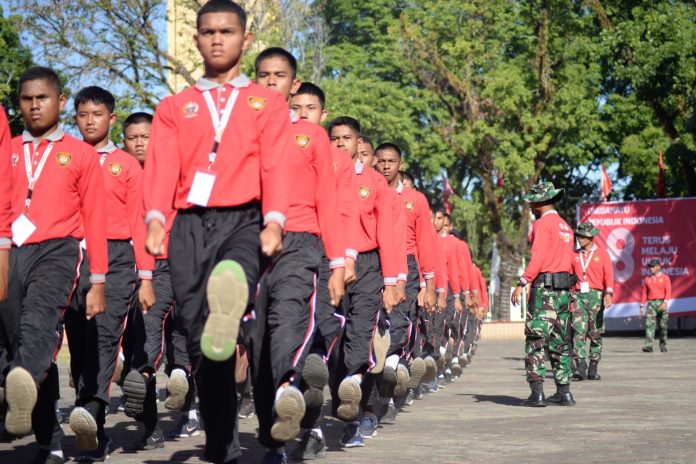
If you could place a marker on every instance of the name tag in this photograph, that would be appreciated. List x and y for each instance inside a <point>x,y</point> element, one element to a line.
<point>22,228</point>
<point>201,188</point>
<point>584,287</point>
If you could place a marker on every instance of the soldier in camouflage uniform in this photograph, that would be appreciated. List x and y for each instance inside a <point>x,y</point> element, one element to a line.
<point>593,293</point>
<point>550,274</point>
<point>657,289</point>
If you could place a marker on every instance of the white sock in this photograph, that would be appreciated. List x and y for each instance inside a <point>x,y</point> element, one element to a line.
<point>193,414</point>
<point>442,350</point>
<point>178,371</point>
<point>58,453</point>
<point>121,357</point>
<point>357,378</point>
<point>392,361</point>
<point>391,401</point>
<point>318,432</point>
<point>455,361</point>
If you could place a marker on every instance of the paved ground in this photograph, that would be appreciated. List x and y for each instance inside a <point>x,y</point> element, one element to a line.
<point>644,410</point>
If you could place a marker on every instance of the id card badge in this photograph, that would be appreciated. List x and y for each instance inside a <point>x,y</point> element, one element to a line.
<point>584,287</point>
<point>201,188</point>
<point>22,228</point>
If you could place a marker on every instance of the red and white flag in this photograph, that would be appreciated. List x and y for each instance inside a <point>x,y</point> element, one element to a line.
<point>447,192</point>
<point>660,179</point>
<point>605,183</point>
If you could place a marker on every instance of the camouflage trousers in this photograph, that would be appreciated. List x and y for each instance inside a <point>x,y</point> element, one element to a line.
<point>588,323</point>
<point>546,329</point>
<point>654,316</point>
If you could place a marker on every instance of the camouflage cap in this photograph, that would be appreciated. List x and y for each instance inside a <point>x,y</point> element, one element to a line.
<point>542,192</point>
<point>587,230</point>
<point>653,262</point>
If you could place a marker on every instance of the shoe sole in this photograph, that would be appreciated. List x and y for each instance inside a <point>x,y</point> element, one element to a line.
<point>178,388</point>
<point>417,372</point>
<point>380,346</point>
<point>387,382</point>
<point>430,370</point>
<point>456,370</point>
<point>228,295</point>
<point>316,375</point>
<point>289,409</point>
<point>84,427</point>
<point>20,394</point>
<point>134,391</point>
<point>402,380</point>
<point>185,435</point>
<point>350,394</point>
<point>534,405</point>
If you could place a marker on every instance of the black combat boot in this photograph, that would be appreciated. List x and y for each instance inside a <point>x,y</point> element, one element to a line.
<point>592,372</point>
<point>562,397</point>
<point>536,399</point>
<point>580,372</point>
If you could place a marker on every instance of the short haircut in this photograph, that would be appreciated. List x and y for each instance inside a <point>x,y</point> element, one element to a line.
<point>276,52</point>
<point>345,121</point>
<point>136,118</point>
<point>448,217</point>
<point>439,209</point>
<point>389,146</point>
<point>41,73</point>
<point>366,139</point>
<point>307,88</point>
<point>96,95</point>
<point>408,176</point>
<point>222,6</point>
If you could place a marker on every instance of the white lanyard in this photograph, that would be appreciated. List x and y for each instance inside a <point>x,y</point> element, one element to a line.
<point>219,123</point>
<point>33,176</point>
<point>585,265</point>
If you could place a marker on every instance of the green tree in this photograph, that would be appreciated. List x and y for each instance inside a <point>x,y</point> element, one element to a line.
<point>649,64</point>
<point>520,85</point>
<point>14,59</point>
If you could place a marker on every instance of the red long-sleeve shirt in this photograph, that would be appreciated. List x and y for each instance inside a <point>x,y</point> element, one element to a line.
<point>400,232</point>
<point>123,182</point>
<point>251,157</point>
<point>656,287</point>
<point>481,287</point>
<point>376,232</point>
<point>344,171</point>
<point>552,247</point>
<point>420,241</point>
<point>313,198</point>
<point>440,263</point>
<point>449,252</point>
<point>6,184</point>
<point>68,199</point>
<point>599,272</point>
<point>466,280</point>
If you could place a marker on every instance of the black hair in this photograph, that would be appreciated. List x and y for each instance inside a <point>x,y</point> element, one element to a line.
<point>345,121</point>
<point>439,209</point>
<point>96,95</point>
<point>222,6</point>
<point>408,176</point>
<point>136,118</point>
<point>366,139</point>
<point>389,146</point>
<point>41,73</point>
<point>448,217</point>
<point>276,52</point>
<point>307,88</point>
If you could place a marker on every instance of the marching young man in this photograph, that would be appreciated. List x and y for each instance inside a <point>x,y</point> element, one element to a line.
<point>47,164</point>
<point>420,251</point>
<point>308,102</point>
<point>286,302</point>
<point>94,345</point>
<point>214,148</point>
<point>377,268</point>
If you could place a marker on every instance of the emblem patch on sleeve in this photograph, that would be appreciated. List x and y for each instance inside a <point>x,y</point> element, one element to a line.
<point>257,103</point>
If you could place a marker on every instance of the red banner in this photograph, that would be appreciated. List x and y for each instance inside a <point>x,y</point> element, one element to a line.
<point>634,232</point>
